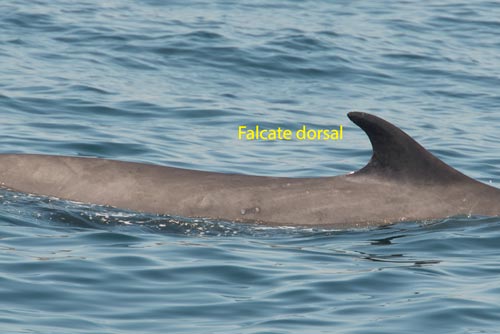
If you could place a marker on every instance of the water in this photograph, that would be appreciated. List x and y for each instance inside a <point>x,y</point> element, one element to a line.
<point>169,82</point>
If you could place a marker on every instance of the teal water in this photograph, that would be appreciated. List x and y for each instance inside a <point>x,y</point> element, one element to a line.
<point>169,82</point>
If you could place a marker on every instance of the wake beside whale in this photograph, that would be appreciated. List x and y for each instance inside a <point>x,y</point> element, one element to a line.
<point>402,181</point>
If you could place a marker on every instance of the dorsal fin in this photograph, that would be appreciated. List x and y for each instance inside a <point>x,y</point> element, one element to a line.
<point>398,156</point>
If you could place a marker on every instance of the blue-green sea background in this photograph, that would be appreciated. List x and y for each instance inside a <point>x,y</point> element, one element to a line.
<point>168,82</point>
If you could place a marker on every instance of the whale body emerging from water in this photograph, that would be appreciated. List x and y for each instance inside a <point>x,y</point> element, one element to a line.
<point>402,181</point>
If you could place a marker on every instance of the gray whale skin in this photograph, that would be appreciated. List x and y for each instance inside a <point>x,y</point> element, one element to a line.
<point>402,181</point>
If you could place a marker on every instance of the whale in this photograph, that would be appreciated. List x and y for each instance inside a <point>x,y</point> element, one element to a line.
<point>401,182</point>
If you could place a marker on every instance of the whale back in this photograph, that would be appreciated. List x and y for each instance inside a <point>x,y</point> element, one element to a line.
<point>402,181</point>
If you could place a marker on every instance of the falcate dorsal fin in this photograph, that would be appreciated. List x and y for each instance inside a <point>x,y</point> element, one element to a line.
<point>398,156</point>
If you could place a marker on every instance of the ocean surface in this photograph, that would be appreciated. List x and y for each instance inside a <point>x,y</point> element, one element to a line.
<point>169,82</point>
